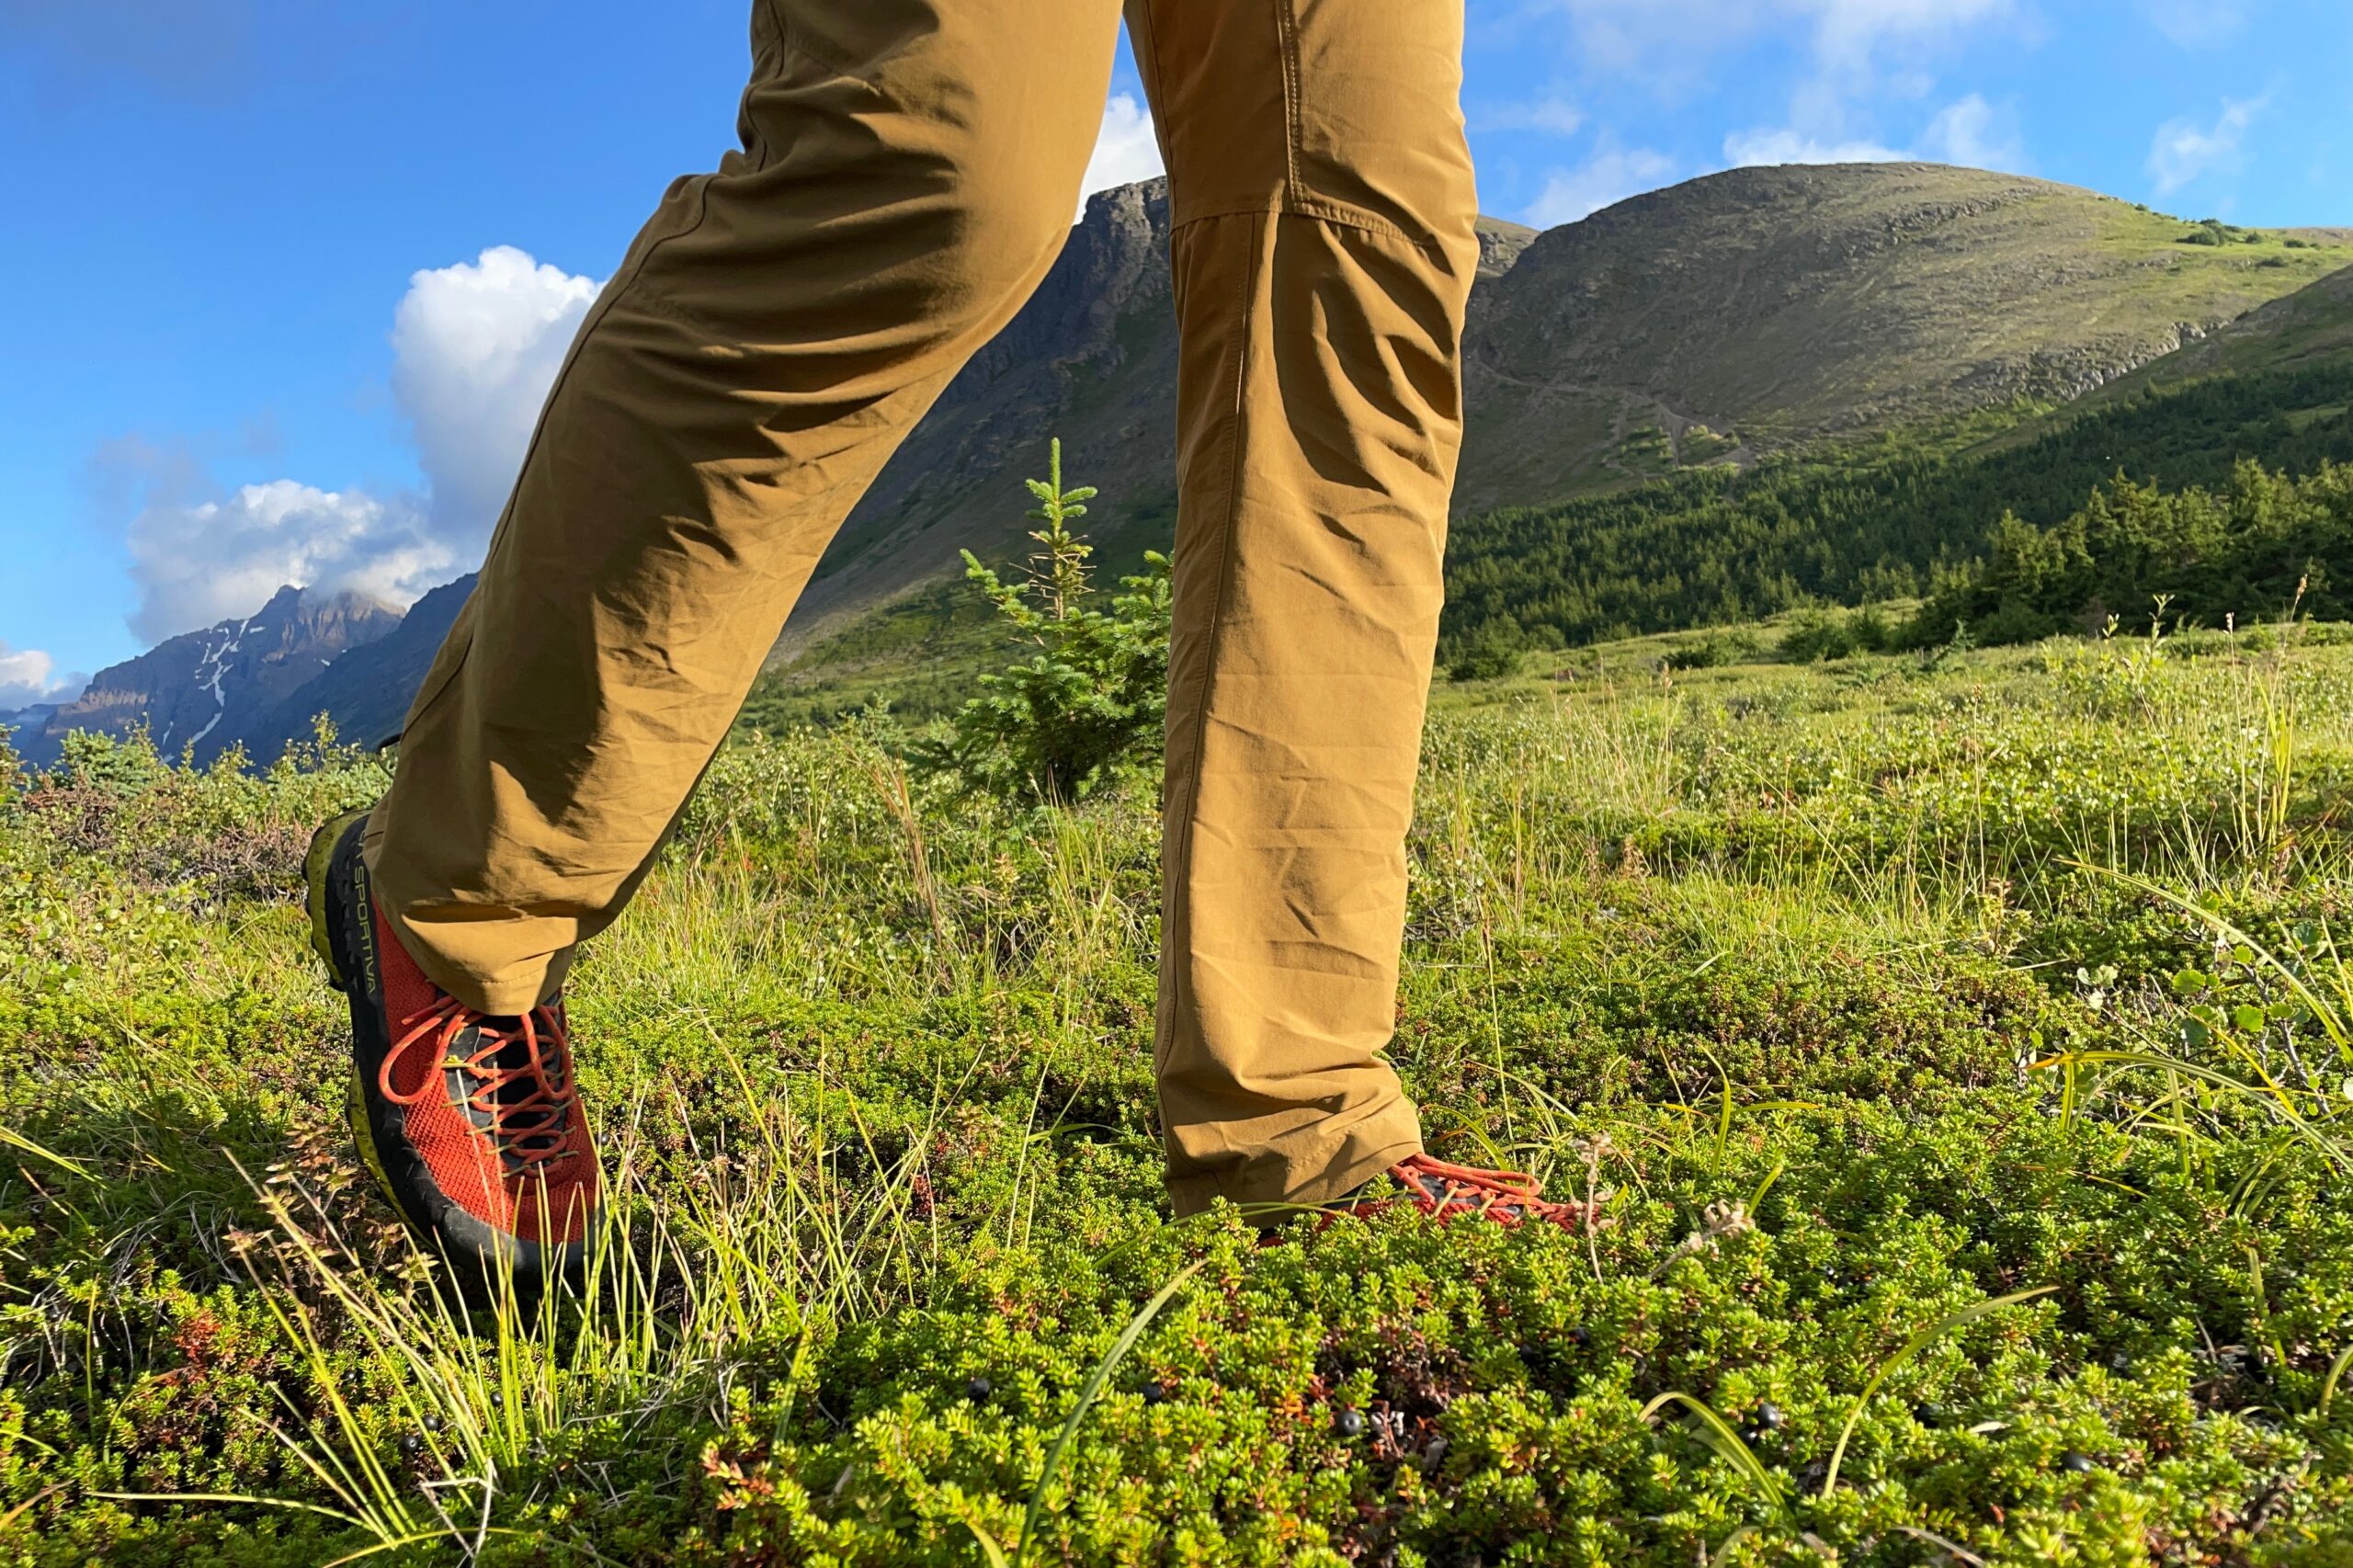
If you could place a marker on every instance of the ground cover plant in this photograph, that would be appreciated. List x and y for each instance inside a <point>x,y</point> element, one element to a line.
<point>1957,1046</point>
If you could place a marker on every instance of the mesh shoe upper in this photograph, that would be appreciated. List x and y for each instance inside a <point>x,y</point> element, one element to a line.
<point>490,1104</point>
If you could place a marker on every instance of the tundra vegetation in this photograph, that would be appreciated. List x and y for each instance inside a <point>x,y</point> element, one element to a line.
<point>1954,1041</point>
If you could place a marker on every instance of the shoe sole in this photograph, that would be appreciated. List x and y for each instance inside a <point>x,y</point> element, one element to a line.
<point>318,862</point>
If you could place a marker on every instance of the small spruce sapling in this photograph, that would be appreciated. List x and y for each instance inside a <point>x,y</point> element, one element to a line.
<point>1095,694</point>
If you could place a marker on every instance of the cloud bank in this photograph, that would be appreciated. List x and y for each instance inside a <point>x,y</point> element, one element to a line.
<point>2194,24</point>
<point>475,347</point>
<point>2187,150</point>
<point>1126,149</point>
<point>29,676</point>
<point>1858,63</point>
<point>1610,177</point>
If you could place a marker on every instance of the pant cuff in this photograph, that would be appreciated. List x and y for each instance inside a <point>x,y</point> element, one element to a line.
<point>511,990</point>
<point>1278,1183</point>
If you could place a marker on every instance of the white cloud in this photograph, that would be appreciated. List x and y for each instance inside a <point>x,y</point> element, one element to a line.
<point>2184,151</point>
<point>197,562</point>
<point>2193,24</point>
<point>1859,57</point>
<point>1668,45</point>
<point>1554,115</point>
<point>475,347</point>
<point>1976,134</point>
<point>1610,177</point>
<point>1781,144</point>
<point>28,677</point>
<point>1853,35</point>
<point>1126,149</point>
<point>1968,130</point>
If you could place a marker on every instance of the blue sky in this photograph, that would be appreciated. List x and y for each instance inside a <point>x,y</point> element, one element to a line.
<point>286,278</point>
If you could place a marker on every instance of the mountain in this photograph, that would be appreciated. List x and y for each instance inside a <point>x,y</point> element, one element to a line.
<point>2313,326</point>
<point>1737,322</point>
<point>366,691</point>
<point>1737,316</point>
<point>1635,365</point>
<point>198,690</point>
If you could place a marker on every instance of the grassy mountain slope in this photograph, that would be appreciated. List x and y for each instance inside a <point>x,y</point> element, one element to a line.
<point>1775,307</point>
<point>1729,320</point>
<point>2314,324</point>
<point>1866,521</point>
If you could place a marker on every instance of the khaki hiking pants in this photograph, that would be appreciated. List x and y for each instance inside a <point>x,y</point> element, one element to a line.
<point>908,172</point>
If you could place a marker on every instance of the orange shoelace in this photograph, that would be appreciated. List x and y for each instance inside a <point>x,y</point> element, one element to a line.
<point>528,1128</point>
<point>1506,1196</point>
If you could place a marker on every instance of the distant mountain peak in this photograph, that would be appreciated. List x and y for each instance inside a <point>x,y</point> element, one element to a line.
<point>194,691</point>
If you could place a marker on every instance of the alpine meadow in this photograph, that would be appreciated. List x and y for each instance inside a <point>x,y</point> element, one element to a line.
<point>1882,852</point>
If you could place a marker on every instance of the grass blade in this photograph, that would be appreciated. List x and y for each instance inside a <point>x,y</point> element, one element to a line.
<point>1717,1435</point>
<point>1087,1396</point>
<point>1912,1348</point>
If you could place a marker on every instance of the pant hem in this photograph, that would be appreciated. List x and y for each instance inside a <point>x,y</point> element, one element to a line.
<point>505,998</point>
<point>1260,1187</point>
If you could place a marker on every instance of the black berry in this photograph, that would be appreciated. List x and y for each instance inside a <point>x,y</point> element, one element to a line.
<point>1155,1392</point>
<point>1349,1424</point>
<point>978,1390</point>
<point>412,1446</point>
<point>433,1423</point>
<point>1580,1337</point>
<point>1771,1417</point>
<point>2077,1464</point>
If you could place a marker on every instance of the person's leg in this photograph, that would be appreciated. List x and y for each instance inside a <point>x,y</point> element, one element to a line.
<point>908,174</point>
<point>1323,251</point>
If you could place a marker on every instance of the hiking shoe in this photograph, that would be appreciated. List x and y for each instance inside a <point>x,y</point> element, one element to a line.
<point>1446,1192</point>
<point>471,1122</point>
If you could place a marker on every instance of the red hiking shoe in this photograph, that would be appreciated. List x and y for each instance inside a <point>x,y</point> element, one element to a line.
<point>471,1122</point>
<point>1446,1192</point>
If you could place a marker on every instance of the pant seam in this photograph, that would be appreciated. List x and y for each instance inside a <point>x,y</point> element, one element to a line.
<point>763,154</point>
<point>1148,59</point>
<point>1315,211</point>
<point>1287,26</point>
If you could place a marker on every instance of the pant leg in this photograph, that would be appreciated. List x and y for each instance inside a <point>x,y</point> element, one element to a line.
<point>907,176</point>
<point>1323,251</point>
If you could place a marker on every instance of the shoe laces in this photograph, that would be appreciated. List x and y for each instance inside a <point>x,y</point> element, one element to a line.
<point>1506,1196</point>
<point>515,1083</point>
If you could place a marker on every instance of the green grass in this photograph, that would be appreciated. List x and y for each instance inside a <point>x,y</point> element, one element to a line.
<point>1957,1049</point>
